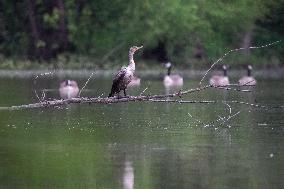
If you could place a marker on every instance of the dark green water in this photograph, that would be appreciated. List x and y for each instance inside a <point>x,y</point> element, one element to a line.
<point>141,145</point>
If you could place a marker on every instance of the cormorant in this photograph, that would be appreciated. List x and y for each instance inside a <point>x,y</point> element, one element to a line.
<point>135,81</point>
<point>124,75</point>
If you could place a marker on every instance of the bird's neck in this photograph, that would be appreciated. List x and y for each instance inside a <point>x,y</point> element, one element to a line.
<point>169,70</point>
<point>225,72</point>
<point>131,62</point>
<point>249,72</point>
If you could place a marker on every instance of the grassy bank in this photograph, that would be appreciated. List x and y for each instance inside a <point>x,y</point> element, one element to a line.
<point>73,62</point>
<point>149,74</point>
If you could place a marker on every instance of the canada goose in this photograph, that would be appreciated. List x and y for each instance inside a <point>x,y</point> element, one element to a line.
<point>220,80</point>
<point>248,79</point>
<point>135,81</point>
<point>124,75</point>
<point>68,89</point>
<point>172,80</point>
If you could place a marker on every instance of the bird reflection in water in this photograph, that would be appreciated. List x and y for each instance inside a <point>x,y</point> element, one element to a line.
<point>128,176</point>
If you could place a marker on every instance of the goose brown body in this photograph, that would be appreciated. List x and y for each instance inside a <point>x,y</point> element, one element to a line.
<point>68,89</point>
<point>248,79</point>
<point>220,80</point>
<point>172,80</point>
<point>124,75</point>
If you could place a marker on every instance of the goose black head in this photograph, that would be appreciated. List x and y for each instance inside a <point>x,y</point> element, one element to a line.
<point>168,65</point>
<point>224,67</point>
<point>249,67</point>
<point>67,82</point>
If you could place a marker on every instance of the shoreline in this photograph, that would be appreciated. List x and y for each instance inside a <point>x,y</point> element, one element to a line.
<point>154,74</point>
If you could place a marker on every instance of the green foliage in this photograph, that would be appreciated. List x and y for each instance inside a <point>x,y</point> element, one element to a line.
<point>52,19</point>
<point>105,29</point>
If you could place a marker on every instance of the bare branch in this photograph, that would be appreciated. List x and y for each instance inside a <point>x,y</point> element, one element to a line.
<point>231,116</point>
<point>85,84</point>
<point>42,95</point>
<point>247,83</point>
<point>230,109</point>
<point>37,95</point>
<point>165,98</point>
<point>35,82</point>
<point>113,100</point>
<point>101,95</point>
<point>143,91</point>
<point>234,50</point>
<point>41,75</point>
<point>229,88</point>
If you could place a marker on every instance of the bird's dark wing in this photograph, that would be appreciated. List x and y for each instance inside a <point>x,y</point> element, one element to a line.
<point>120,74</point>
<point>118,79</point>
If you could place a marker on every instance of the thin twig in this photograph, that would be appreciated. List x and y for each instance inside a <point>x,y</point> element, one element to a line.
<point>143,91</point>
<point>184,101</point>
<point>235,50</point>
<point>85,84</point>
<point>230,109</point>
<point>35,82</point>
<point>153,98</point>
<point>229,88</point>
<point>37,95</point>
<point>220,118</point>
<point>42,74</point>
<point>246,84</point>
<point>42,95</point>
<point>101,95</point>
<point>230,117</point>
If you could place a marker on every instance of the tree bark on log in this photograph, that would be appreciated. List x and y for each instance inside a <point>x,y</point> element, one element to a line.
<point>146,98</point>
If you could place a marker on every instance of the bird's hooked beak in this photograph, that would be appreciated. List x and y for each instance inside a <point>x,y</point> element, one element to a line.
<point>139,47</point>
<point>134,48</point>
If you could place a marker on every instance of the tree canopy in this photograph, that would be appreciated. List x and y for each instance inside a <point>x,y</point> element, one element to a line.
<point>178,30</point>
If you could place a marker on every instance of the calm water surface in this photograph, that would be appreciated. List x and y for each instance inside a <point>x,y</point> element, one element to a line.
<point>141,145</point>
